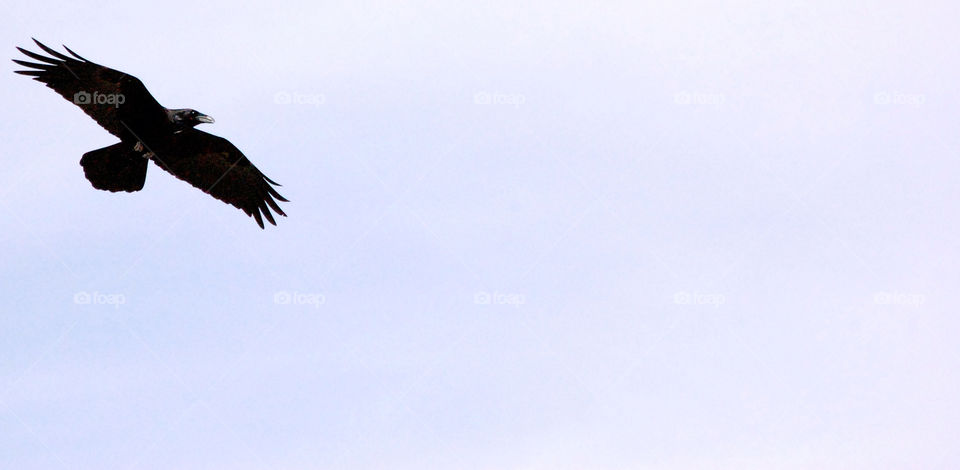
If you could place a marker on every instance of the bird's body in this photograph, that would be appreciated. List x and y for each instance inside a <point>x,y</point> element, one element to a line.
<point>148,131</point>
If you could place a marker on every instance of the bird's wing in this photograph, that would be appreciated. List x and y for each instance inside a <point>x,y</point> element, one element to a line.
<point>216,167</point>
<point>115,168</point>
<point>117,101</point>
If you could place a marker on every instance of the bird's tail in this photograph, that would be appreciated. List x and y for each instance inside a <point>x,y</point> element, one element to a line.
<point>115,168</point>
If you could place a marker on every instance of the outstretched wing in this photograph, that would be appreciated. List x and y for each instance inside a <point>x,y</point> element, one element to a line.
<point>115,168</point>
<point>117,101</point>
<point>216,167</point>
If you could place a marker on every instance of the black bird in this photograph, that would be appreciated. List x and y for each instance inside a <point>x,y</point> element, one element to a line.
<point>148,131</point>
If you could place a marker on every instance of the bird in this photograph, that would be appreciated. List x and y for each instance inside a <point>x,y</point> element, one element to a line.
<point>121,104</point>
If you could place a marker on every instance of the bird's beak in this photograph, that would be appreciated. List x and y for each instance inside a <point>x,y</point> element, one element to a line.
<point>205,118</point>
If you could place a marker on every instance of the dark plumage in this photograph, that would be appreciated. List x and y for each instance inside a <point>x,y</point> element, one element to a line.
<point>115,168</point>
<point>123,106</point>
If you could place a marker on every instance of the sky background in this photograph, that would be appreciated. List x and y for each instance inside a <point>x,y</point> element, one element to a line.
<point>548,235</point>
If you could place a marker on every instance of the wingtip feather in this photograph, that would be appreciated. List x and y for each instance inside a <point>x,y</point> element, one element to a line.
<point>34,64</point>
<point>51,51</point>
<point>74,53</point>
<point>266,213</point>
<point>42,58</point>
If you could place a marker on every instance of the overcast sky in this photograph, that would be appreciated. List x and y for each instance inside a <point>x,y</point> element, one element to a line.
<point>556,235</point>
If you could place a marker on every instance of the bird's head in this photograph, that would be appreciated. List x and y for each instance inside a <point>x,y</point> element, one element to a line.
<point>187,117</point>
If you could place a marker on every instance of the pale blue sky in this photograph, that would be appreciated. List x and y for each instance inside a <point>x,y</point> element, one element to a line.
<point>703,235</point>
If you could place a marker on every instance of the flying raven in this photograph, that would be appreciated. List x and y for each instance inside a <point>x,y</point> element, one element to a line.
<point>148,131</point>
